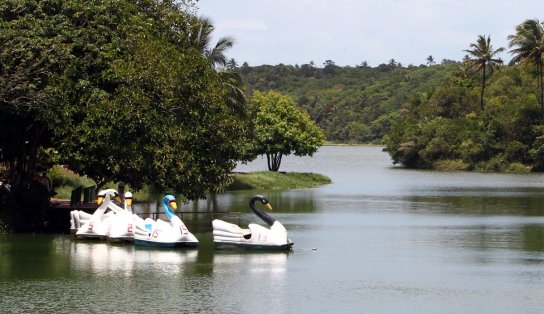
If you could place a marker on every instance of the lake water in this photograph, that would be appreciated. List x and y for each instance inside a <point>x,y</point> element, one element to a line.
<point>379,239</point>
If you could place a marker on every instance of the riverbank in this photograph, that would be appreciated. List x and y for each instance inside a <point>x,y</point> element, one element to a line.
<point>268,180</point>
<point>264,180</point>
<point>494,165</point>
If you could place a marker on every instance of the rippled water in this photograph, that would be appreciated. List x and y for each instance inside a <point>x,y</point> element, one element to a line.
<point>379,239</point>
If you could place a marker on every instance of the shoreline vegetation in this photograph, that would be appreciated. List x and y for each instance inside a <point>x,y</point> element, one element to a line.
<point>268,180</point>
<point>64,181</point>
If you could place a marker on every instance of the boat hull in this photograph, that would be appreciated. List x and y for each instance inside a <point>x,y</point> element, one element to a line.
<point>252,246</point>
<point>146,243</point>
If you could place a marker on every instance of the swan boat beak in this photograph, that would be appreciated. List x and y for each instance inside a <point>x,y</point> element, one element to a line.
<point>268,206</point>
<point>173,204</point>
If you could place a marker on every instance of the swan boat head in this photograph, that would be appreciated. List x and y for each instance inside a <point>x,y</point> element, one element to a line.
<point>128,201</point>
<point>169,205</point>
<point>110,194</point>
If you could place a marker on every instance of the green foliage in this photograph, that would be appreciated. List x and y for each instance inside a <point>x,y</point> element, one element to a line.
<point>446,129</point>
<point>351,104</point>
<point>117,91</point>
<point>528,45</point>
<point>60,176</point>
<point>277,181</point>
<point>280,128</point>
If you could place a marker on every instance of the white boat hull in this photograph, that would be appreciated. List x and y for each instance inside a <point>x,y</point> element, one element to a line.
<point>256,237</point>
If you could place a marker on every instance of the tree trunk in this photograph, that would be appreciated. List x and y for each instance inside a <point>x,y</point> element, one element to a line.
<point>274,161</point>
<point>25,163</point>
<point>541,87</point>
<point>482,93</point>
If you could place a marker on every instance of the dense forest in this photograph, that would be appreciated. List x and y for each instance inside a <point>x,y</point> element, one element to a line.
<point>351,104</point>
<point>475,114</point>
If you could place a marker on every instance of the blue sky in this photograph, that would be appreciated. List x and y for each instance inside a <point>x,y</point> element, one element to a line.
<point>349,32</point>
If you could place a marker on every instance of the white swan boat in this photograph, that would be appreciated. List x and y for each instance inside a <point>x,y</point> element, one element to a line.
<point>96,225</point>
<point>160,233</point>
<point>122,225</point>
<point>227,235</point>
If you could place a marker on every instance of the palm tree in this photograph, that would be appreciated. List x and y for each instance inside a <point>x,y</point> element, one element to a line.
<point>232,64</point>
<point>216,54</point>
<point>483,60</point>
<point>392,63</point>
<point>529,40</point>
<point>200,38</point>
<point>430,60</point>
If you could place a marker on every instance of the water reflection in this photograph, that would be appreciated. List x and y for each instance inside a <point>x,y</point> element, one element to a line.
<point>104,259</point>
<point>297,201</point>
<point>243,279</point>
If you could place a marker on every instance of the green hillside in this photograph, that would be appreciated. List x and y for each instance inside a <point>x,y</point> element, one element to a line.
<point>351,104</point>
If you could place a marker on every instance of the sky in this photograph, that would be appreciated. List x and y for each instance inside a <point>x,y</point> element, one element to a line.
<point>349,32</point>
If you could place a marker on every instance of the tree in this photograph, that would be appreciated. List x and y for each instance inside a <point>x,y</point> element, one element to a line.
<point>364,65</point>
<point>232,64</point>
<point>201,39</point>
<point>529,47</point>
<point>280,128</point>
<point>430,60</point>
<point>116,91</point>
<point>329,67</point>
<point>483,60</point>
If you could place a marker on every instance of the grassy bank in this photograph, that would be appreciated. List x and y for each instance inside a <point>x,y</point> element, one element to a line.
<point>268,180</point>
<point>64,181</point>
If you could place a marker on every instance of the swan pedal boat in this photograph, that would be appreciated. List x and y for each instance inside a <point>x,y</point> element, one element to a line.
<point>160,233</point>
<point>96,225</point>
<point>123,224</point>
<point>256,237</point>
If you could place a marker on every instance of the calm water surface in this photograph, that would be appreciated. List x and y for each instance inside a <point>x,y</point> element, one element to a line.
<point>379,239</point>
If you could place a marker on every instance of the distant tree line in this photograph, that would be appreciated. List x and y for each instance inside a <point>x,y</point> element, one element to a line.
<point>351,104</point>
<point>478,113</point>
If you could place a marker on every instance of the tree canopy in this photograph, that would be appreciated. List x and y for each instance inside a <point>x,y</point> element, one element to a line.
<point>280,128</point>
<point>115,90</point>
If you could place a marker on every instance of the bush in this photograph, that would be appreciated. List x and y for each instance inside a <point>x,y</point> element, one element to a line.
<point>60,176</point>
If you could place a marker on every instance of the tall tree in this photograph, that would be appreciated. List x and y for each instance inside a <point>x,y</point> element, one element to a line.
<point>430,60</point>
<point>113,88</point>
<point>200,38</point>
<point>529,47</point>
<point>281,129</point>
<point>483,59</point>
<point>232,64</point>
